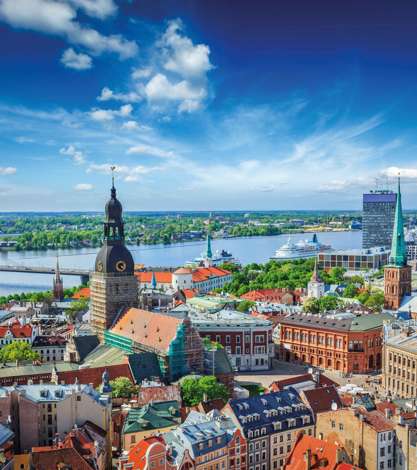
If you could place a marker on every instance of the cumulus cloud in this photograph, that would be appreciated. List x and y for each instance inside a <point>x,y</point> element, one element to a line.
<point>59,18</point>
<point>71,151</point>
<point>7,170</point>
<point>83,187</point>
<point>108,94</point>
<point>143,149</point>
<point>160,89</point>
<point>106,115</point>
<point>140,73</point>
<point>77,61</point>
<point>183,57</point>
<point>130,125</point>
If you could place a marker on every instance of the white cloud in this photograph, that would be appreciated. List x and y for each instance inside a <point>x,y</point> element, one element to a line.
<point>140,73</point>
<point>395,171</point>
<point>108,94</point>
<point>7,170</point>
<point>96,8</point>
<point>83,187</point>
<point>59,18</point>
<point>77,61</point>
<point>150,150</point>
<point>183,57</point>
<point>128,173</point>
<point>159,88</point>
<point>130,125</point>
<point>76,155</point>
<point>24,140</point>
<point>106,115</point>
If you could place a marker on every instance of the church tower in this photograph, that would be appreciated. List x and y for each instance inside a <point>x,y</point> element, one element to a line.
<point>113,283</point>
<point>397,275</point>
<point>58,285</point>
<point>208,259</point>
<point>315,288</point>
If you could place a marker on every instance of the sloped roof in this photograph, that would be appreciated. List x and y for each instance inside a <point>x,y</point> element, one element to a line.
<point>157,415</point>
<point>144,365</point>
<point>84,344</point>
<point>137,455</point>
<point>321,399</point>
<point>17,330</point>
<point>154,330</point>
<point>204,274</point>
<point>162,277</point>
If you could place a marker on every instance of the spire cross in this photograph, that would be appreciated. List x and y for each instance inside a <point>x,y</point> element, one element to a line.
<point>112,168</point>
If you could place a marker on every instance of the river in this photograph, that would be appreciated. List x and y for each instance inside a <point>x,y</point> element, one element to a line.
<point>247,250</point>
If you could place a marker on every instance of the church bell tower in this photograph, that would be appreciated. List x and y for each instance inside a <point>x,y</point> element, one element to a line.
<point>113,283</point>
<point>397,275</point>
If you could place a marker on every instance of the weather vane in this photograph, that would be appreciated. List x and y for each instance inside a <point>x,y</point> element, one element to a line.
<point>112,168</point>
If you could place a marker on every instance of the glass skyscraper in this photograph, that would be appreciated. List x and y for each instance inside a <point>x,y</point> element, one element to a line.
<point>378,218</point>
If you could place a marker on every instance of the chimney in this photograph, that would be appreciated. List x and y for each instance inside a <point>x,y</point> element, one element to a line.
<point>307,458</point>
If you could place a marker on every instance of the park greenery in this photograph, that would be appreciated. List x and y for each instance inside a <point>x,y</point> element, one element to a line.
<point>122,387</point>
<point>72,230</point>
<point>296,274</point>
<point>18,351</point>
<point>195,390</point>
<point>35,297</point>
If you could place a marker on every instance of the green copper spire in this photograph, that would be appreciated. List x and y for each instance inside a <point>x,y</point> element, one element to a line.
<point>398,249</point>
<point>209,253</point>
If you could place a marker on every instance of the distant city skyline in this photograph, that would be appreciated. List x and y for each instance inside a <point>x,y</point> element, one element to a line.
<point>205,105</point>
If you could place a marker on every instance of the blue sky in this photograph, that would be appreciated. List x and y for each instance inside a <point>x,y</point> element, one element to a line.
<point>205,105</point>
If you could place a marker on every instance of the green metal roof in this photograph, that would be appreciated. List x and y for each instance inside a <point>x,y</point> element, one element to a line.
<point>158,415</point>
<point>369,321</point>
<point>398,248</point>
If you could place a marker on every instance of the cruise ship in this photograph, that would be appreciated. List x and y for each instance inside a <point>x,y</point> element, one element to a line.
<point>219,257</point>
<point>301,249</point>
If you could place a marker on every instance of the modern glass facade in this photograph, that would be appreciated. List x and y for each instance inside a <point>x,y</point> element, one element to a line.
<point>378,218</point>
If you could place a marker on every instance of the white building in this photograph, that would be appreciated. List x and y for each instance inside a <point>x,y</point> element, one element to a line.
<point>315,288</point>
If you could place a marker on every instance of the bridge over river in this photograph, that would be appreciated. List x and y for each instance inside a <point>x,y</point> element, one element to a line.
<point>83,273</point>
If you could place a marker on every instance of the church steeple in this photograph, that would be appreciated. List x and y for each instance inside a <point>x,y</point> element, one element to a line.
<point>209,253</point>
<point>398,255</point>
<point>113,225</point>
<point>58,285</point>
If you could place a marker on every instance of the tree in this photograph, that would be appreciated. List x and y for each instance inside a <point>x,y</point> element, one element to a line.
<point>329,302</point>
<point>122,387</point>
<point>311,305</point>
<point>76,308</point>
<point>194,390</point>
<point>18,351</point>
<point>350,291</point>
<point>375,300</point>
<point>245,306</point>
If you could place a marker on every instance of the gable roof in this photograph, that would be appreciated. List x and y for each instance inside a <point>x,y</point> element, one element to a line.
<point>204,274</point>
<point>144,365</point>
<point>137,455</point>
<point>153,330</point>
<point>298,379</point>
<point>84,344</point>
<point>17,330</point>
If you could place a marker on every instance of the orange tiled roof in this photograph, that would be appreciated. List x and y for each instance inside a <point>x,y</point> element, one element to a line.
<point>271,295</point>
<point>162,277</point>
<point>150,329</point>
<point>203,274</point>
<point>189,293</point>
<point>17,330</point>
<point>322,452</point>
<point>137,455</point>
<point>83,293</point>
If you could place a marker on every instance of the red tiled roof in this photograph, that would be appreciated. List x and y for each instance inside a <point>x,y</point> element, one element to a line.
<point>189,293</point>
<point>323,454</point>
<point>149,329</point>
<point>272,295</point>
<point>83,293</point>
<point>94,374</point>
<point>377,420</point>
<point>386,405</point>
<point>159,393</point>
<point>183,271</point>
<point>162,277</point>
<point>16,330</point>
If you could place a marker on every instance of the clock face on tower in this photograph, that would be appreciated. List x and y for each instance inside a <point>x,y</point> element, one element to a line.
<point>120,266</point>
<point>99,266</point>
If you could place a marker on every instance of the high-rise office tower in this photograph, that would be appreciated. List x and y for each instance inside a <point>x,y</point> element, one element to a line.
<point>378,218</point>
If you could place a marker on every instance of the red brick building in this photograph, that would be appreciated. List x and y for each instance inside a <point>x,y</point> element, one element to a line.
<point>345,342</point>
